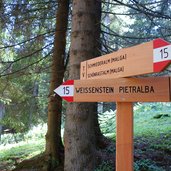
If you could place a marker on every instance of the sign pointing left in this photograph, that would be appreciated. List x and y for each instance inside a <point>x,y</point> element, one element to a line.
<point>66,90</point>
<point>155,89</point>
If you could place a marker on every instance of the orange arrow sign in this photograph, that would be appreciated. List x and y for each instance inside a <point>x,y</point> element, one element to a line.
<point>156,89</point>
<point>145,58</point>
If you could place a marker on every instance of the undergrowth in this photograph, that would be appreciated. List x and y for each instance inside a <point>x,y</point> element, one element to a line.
<point>152,136</point>
<point>152,140</point>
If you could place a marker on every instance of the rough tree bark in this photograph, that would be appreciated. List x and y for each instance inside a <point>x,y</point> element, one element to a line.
<point>54,147</point>
<point>79,136</point>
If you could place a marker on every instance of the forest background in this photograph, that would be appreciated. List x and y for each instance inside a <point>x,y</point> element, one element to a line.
<point>42,45</point>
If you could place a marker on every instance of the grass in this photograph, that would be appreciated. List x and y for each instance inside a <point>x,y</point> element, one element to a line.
<point>23,150</point>
<point>152,138</point>
<point>12,154</point>
<point>152,141</point>
<point>149,124</point>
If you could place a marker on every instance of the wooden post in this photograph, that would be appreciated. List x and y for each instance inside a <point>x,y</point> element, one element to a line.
<point>124,136</point>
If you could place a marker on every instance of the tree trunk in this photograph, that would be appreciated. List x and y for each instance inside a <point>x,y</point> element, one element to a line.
<point>98,133</point>
<point>2,112</point>
<point>101,140</point>
<point>79,129</point>
<point>54,147</point>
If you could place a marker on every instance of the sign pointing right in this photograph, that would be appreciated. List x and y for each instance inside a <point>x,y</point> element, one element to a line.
<point>161,54</point>
<point>146,58</point>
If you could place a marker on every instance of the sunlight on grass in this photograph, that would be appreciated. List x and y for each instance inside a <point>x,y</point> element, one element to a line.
<point>152,122</point>
<point>22,149</point>
<point>32,145</point>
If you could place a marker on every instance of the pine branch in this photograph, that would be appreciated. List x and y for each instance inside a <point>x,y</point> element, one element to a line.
<point>108,12</point>
<point>144,10</point>
<point>115,4</point>
<point>40,70</point>
<point>17,71</point>
<point>32,18</point>
<point>26,4</point>
<point>20,12</point>
<point>28,40</point>
<point>24,57</point>
<point>112,33</point>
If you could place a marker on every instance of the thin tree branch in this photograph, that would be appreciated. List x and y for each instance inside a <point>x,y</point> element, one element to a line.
<point>28,40</point>
<point>14,72</point>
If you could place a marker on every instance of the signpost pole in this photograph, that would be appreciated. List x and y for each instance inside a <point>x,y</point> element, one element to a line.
<point>150,57</point>
<point>124,136</point>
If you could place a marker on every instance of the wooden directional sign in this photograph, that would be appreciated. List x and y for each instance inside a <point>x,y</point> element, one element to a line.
<point>156,89</point>
<point>145,58</point>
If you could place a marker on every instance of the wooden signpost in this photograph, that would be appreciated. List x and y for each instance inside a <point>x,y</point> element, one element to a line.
<point>118,90</point>
<point>145,58</point>
<point>102,81</point>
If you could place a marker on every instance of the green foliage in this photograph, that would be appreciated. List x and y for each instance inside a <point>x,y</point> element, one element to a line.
<point>10,91</point>
<point>5,100</point>
<point>163,145</point>
<point>152,135</point>
<point>105,166</point>
<point>35,134</point>
<point>145,122</point>
<point>14,155</point>
<point>107,123</point>
<point>23,151</point>
<point>11,138</point>
<point>146,165</point>
<point>23,109</point>
<point>27,31</point>
<point>110,149</point>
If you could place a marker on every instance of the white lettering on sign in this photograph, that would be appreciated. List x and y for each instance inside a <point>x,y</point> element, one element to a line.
<point>162,54</point>
<point>65,90</point>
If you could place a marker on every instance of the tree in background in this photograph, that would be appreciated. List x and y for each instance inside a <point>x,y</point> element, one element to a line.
<point>135,22</point>
<point>54,147</point>
<point>100,140</point>
<point>32,26</point>
<point>25,48</point>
